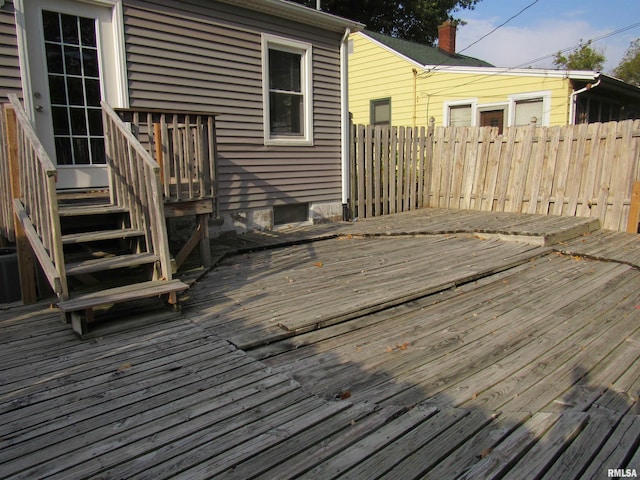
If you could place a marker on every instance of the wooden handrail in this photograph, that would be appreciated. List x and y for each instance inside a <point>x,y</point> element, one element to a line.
<point>135,185</point>
<point>35,203</point>
<point>161,111</point>
<point>7,231</point>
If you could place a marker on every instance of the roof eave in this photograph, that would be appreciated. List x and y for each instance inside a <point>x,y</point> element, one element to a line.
<point>299,13</point>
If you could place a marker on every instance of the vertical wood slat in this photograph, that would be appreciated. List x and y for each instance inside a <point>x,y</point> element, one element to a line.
<point>353,177</point>
<point>536,169</point>
<point>423,176</point>
<point>592,172</point>
<point>386,168</point>
<point>410,177</point>
<point>7,230</point>
<point>521,169</point>
<point>633,223</point>
<point>393,169</point>
<point>577,168</point>
<point>604,187</point>
<point>368,172</point>
<point>361,171</point>
<point>376,163</point>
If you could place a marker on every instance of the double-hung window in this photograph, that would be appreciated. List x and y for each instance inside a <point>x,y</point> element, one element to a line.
<point>287,91</point>
<point>528,105</point>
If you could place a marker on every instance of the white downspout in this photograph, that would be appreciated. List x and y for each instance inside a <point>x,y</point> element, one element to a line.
<point>344,119</point>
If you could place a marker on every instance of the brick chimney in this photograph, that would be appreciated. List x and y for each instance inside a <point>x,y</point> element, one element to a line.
<point>447,37</point>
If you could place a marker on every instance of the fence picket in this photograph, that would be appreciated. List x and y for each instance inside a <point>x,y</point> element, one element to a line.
<point>520,169</point>
<point>393,169</point>
<point>536,167</point>
<point>577,169</point>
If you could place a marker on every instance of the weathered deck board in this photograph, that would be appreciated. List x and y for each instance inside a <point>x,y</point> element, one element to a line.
<point>361,275</point>
<point>529,367</point>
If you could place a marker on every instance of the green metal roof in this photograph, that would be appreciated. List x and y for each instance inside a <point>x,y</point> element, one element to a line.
<point>424,54</point>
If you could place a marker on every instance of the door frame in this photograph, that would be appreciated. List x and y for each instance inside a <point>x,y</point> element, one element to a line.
<point>118,93</point>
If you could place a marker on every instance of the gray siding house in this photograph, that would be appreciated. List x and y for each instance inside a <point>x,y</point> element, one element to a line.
<point>274,72</point>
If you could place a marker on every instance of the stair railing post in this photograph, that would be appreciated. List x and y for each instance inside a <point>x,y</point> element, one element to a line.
<point>26,257</point>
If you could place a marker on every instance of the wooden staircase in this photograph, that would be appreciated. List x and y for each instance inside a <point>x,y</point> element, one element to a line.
<point>101,254</point>
<point>106,262</point>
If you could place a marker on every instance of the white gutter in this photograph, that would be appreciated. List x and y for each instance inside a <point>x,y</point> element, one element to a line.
<point>345,133</point>
<point>573,99</point>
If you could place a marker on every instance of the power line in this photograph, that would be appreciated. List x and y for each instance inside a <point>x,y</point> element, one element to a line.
<point>500,26</point>
<point>508,69</point>
<point>592,40</point>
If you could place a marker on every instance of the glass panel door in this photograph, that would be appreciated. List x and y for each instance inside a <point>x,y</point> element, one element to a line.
<point>73,74</point>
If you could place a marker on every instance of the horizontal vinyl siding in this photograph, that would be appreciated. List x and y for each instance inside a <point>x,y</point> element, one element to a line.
<point>206,56</point>
<point>9,63</point>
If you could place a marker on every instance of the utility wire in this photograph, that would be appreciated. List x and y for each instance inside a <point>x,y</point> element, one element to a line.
<point>500,26</point>
<point>507,69</point>
<point>592,40</point>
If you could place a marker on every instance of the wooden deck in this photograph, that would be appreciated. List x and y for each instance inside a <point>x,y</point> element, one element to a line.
<point>421,345</point>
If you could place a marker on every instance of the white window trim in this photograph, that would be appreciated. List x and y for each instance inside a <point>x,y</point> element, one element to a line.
<point>546,106</point>
<point>473,102</point>
<point>294,46</point>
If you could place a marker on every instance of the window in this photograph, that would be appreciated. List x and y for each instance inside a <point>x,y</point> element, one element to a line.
<point>381,112</point>
<point>460,115</point>
<point>525,106</point>
<point>525,110</point>
<point>286,91</point>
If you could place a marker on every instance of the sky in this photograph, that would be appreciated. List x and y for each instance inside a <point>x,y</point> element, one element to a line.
<point>546,27</point>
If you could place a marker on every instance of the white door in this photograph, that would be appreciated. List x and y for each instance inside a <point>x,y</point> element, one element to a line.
<point>71,64</point>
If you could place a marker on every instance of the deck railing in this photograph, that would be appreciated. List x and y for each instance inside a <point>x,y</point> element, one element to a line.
<point>135,185</point>
<point>34,200</point>
<point>184,145</point>
<point>6,210</point>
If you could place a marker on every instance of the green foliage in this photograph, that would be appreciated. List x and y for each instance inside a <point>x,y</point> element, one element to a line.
<point>584,57</point>
<point>629,67</point>
<point>415,20</point>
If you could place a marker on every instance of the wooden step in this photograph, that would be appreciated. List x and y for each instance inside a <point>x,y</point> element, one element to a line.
<point>96,236</point>
<point>122,294</point>
<point>84,210</point>
<point>110,263</point>
<point>126,293</point>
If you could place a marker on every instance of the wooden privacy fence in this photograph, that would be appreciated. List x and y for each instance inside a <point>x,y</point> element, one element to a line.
<point>390,169</point>
<point>578,170</point>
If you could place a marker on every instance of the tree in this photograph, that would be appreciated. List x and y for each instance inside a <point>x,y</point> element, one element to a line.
<point>582,58</point>
<point>629,67</point>
<point>415,20</point>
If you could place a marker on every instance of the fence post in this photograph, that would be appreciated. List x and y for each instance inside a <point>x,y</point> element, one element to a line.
<point>633,225</point>
<point>26,260</point>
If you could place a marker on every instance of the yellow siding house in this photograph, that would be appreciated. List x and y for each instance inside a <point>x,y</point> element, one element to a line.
<point>393,81</point>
